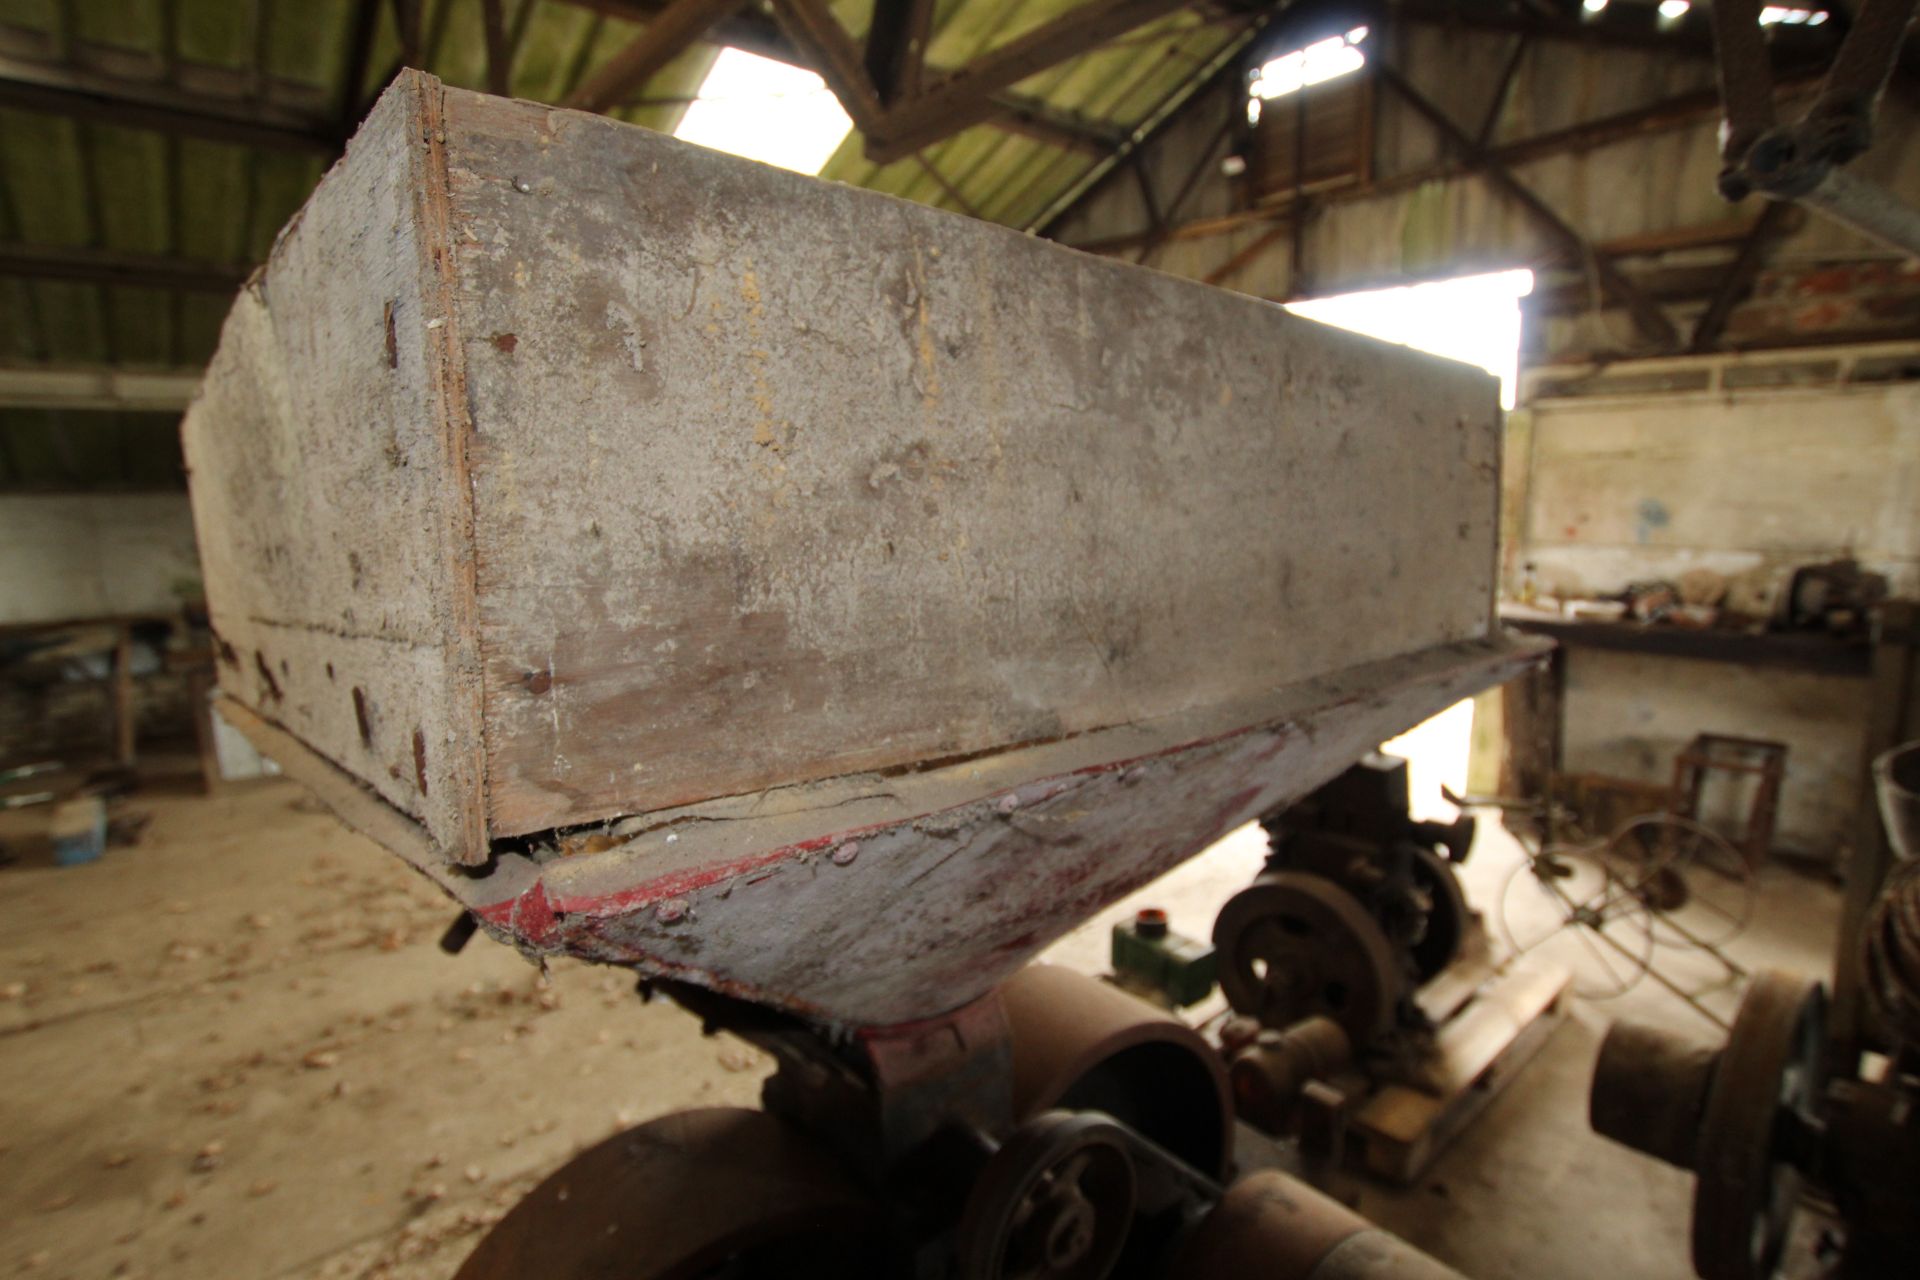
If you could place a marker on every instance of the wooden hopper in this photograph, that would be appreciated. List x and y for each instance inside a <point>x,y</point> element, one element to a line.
<point>814,595</point>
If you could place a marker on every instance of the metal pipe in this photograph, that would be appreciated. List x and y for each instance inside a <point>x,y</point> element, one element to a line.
<point>1649,1091</point>
<point>1279,1228</point>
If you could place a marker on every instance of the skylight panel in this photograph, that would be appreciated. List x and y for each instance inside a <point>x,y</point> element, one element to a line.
<point>765,110</point>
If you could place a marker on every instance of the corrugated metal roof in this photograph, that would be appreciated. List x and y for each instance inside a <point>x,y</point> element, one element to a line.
<point>111,186</point>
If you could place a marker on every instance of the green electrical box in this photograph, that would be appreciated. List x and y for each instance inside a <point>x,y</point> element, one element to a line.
<point>1150,958</point>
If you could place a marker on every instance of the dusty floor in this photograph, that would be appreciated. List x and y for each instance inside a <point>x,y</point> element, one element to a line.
<point>234,1050</point>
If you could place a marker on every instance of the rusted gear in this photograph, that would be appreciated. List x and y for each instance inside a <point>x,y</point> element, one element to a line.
<point>1055,1202</point>
<point>695,1193</point>
<point>1293,945</point>
<point>1765,1086</point>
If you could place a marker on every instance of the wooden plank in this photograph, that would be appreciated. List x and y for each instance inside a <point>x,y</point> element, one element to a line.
<point>1533,708</point>
<point>324,492</point>
<point>1403,1127</point>
<point>873,899</point>
<point>1814,651</point>
<point>935,485</point>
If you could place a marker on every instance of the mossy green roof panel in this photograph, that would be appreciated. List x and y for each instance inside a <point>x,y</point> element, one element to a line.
<point>124,189</point>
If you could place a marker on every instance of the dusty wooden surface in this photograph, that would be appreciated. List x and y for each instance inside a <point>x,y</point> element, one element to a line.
<point>853,484</point>
<point>329,524</point>
<point>773,481</point>
<point>868,899</point>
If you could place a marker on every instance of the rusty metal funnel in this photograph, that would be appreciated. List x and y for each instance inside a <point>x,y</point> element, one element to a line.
<point>1896,776</point>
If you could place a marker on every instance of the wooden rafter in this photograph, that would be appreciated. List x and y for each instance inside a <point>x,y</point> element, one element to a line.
<point>1645,311</point>
<point>1203,162</point>
<point>111,267</point>
<point>100,99</point>
<point>896,53</point>
<point>1622,28</point>
<point>677,27</point>
<point>940,180</point>
<point>896,127</point>
<point>827,47</point>
<point>1220,66</point>
<point>965,97</point>
<point>1067,130</point>
<point>756,32</point>
<point>1079,31</point>
<point>43,386</point>
<point>1502,87</point>
<point>1250,251</point>
<point>1772,222</point>
<point>493,22</point>
<point>364,26</point>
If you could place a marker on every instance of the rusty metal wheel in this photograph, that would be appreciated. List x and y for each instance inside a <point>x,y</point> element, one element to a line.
<point>1055,1202</point>
<point>1763,1091</point>
<point>1699,887</point>
<point>1293,945</point>
<point>709,1193</point>
<point>1080,1044</point>
<point>1448,917</point>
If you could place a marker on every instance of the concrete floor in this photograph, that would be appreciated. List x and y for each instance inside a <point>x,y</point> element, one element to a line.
<point>233,1049</point>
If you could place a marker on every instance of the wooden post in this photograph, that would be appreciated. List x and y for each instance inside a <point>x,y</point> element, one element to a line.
<point>199,698</point>
<point>123,709</point>
<point>1533,710</point>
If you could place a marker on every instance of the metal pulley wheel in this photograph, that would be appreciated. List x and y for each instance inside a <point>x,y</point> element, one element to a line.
<point>1293,945</point>
<point>1764,1088</point>
<point>1448,917</point>
<point>708,1193</point>
<point>1055,1202</point>
<point>1080,1044</point>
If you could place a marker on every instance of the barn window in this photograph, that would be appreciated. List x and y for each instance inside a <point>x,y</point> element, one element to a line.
<point>1311,117</point>
<point>1470,318</point>
<point>1323,60</point>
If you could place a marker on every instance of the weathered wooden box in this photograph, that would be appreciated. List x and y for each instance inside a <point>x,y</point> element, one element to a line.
<point>554,473</point>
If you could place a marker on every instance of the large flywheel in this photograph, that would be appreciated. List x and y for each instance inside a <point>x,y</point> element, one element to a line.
<point>1765,1087</point>
<point>1293,945</point>
<point>719,1192</point>
<point>1448,918</point>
